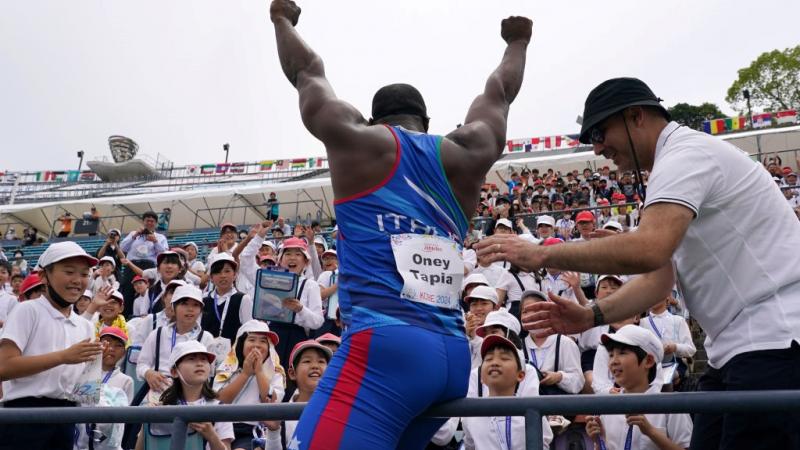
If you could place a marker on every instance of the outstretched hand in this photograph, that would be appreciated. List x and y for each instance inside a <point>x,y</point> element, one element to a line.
<point>511,248</point>
<point>558,316</point>
<point>284,9</point>
<point>516,28</point>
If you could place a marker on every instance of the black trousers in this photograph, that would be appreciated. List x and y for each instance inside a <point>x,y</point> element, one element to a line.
<point>33,436</point>
<point>758,370</point>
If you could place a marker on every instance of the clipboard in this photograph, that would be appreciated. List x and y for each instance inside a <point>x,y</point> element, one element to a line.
<point>272,286</point>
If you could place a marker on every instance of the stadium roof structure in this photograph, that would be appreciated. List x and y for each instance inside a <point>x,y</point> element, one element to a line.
<point>198,202</point>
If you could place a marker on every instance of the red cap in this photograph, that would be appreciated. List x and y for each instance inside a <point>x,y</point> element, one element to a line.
<point>138,278</point>
<point>603,201</point>
<point>616,196</point>
<point>30,282</point>
<point>116,332</point>
<point>538,182</point>
<point>552,241</point>
<point>585,216</point>
<point>787,170</point>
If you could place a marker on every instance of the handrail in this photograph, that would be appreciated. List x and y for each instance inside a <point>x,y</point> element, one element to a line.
<point>532,408</point>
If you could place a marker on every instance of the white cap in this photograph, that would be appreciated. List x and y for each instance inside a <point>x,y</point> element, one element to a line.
<point>187,348</point>
<point>257,326</point>
<point>534,293</point>
<point>483,293</point>
<point>108,259</point>
<point>117,295</point>
<point>321,241</point>
<point>187,291</point>
<point>636,336</point>
<point>178,282</point>
<point>502,318</point>
<point>546,220</point>
<point>613,225</point>
<point>115,230</point>
<point>504,222</point>
<point>60,251</point>
<point>475,278</point>
<point>330,251</point>
<point>221,257</point>
<point>88,293</point>
<point>191,244</point>
<point>269,244</point>
<point>611,277</point>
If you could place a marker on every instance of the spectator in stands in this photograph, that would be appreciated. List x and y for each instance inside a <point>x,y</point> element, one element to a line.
<point>44,347</point>
<point>329,285</point>
<point>307,306</point>
<point>556,358</point>
<point>502,371</point>
<point>32,287</point>
<point>228,234</point>
<point>82,304</point>
<point>163,220</point>
<point>225,309</point>
<point>674,334</point>
<point>5,276</point>
<point>16,282</point>
<point>634,354</point>
<point>563,284</point>
<point>11,233</point>
<point>20,262</point>
<point>332,341</point>
<point>193,263</point>
<point>7,299</point>
<point>585,223</point>
<point>307,363</point>
<point>29,236</point>
<point>66,220</point>
<point>141,248</point>
<point>277,233</point>
<point>111,247</point>
<point>92,216</point>
<point>104,275</point>
<point>141,327</point>
<point>190,366</point>
<point>565,224</point>
<point>589,340</point>
<point>250,375</point>
<point>141,304</point>
<point>285,227</point>
<point>273,207</point>
<point>170,267</point>
<point>105,310</point>
<point>545,227</point>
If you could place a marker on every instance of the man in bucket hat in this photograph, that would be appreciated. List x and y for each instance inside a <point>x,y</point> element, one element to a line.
<point>703,195</point>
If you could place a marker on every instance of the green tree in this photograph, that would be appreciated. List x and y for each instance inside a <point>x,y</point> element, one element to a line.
<point>773,80</point>
<point>693,116</point>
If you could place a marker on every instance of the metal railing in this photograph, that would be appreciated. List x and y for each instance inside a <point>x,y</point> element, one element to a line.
<point>532,408</point>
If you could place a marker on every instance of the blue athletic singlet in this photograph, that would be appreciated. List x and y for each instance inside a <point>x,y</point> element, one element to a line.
<point>415,198</point>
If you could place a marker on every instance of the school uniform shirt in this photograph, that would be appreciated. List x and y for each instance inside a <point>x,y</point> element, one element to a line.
<point>246,277</point>
<point>223,429</point>
<point>327,279</point>
<point>140,327</point>
<point>677,427</point>
<point>475,343</point>
<point>671,329</point>
<point>245,312</point>
<point>100,282</point>
<point>120,381</point>
<point>249,394</point>
<point>37,328</point>
<point>590,339</point>
<point>497,276</point>
<point>569,360</point>
<point>7,303</point>
<point>470,258</point>
<point>141,304</point>
<point>557,285</point>
<point>117,380</point>
<point>527,282</point>
<point>500,433</point>
<point>746,296</point>
<point>310,316</point>
<point>147,355</point>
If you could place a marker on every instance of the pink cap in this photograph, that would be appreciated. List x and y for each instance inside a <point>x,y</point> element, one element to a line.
<point>552,241</point>
<point>116,332</point>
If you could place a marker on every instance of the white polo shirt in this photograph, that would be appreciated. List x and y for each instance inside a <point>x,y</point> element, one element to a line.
<point>37,328</point>
<point>677,427</point>
<point>738,267</point>
<point>569,360</point>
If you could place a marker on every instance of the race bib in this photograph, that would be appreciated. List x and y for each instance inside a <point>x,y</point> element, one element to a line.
<point>432,269</point>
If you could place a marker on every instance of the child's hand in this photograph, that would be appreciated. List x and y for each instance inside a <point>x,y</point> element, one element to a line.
<point>640,420</point>
<point>594,428</point>
<point>157,381</point>
<point>552,378</point>
<point>83,351</point>
<point>206,429</point>
<point>102,296</point>
<point>573,279</point>
<point>251,363</point>
<point>293,304</point>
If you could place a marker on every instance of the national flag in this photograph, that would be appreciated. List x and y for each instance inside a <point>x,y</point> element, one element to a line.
<point>321,161</point>
<point>87,175</point>
<point>515,146</point>
<point>537,144</point>
<point>281,164</point>
<point>299,163</point>
<point>207,169</point>
<point>707,126</point>
<point>73,176</point>
<point>788,116</point>
<point>266,165</point>
<point>238,167</point>
<point>192,170</point>
<point>222,168</point>
<point>762,120</point>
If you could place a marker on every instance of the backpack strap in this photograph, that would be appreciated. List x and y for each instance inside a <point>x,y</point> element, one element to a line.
<point>300,291</point>
<point>283,434</point>
<point>158,347</point>
<point>480,383</point>
<point>558,347</point>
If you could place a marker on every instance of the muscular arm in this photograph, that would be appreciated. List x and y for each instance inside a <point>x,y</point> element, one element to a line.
<point>638,295</point>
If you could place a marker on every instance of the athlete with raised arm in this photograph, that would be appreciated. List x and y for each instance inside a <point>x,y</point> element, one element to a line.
<point>401,197</point>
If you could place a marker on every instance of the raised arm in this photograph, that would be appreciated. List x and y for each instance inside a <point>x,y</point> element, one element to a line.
<point>480,141</point>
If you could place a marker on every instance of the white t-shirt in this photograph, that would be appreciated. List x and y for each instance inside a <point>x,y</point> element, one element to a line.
<point>147,357</point>
<point>37,328</point>
<point>677,427</point>
<point>141,304</point>
<point>569,360</point>
<point>738,266</point>
<point>7,303</point>
<point>249,394</point>
<point>528,283</point>
<point>672,329</point>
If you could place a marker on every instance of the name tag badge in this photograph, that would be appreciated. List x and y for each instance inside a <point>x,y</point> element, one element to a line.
<point>141,250</point>
<point>432,269</point>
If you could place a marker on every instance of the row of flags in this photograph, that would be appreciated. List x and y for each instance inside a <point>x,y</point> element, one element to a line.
<point>538,144</point>
<point>261,166</point>
<point>717,126</point>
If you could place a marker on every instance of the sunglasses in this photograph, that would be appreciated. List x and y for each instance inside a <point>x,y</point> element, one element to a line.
<point>597,135</point>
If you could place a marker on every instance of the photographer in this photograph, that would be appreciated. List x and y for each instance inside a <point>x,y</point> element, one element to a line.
<point>141,247</point>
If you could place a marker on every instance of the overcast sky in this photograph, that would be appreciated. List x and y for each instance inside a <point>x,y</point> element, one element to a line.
<point>183,77</point>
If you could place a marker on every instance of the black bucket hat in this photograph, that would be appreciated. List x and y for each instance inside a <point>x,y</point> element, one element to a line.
<point>612,96</point>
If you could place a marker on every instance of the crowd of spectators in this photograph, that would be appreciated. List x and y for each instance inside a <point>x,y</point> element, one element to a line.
<point>176,329</point>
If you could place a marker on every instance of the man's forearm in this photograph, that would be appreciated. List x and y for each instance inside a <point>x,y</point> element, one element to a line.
<point>512,69</point>
<point>637,295</point>
<point>623,254</point>
<point>295,55</point>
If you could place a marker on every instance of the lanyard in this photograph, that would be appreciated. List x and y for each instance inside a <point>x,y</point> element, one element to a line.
<point>602,443</point>
<point>629,438</point>
<point>108,376</point>
<point>221,318</point>
<point>174,336</point>
<point>507,434</point>
<point>535,361</point>
<point>155,298</point>
<point>655,328</point>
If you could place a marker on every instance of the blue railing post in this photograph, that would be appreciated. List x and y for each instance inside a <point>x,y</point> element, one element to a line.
<point>178,440</point>
<point>534,434</point>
